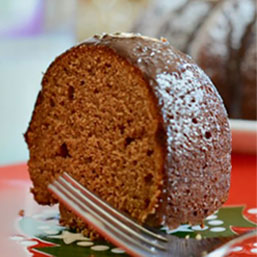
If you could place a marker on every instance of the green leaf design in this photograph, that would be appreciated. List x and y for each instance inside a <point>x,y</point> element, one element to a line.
<point>230,216</point>
<point>226,216</point>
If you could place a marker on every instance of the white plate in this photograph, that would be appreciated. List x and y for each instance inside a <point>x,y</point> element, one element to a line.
<point>244,136</point>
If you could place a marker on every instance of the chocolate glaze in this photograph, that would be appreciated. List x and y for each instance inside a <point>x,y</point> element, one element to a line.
<point>194,123</point>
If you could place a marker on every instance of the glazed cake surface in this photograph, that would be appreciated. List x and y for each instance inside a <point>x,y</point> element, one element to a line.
<point>138,123</point>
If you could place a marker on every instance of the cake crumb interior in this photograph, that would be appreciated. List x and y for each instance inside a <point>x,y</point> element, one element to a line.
<point>96,119</point>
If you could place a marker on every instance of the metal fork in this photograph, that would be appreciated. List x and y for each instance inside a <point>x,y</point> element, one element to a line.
<point>117,228</point>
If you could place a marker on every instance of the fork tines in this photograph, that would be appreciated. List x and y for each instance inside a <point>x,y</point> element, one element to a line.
<point>110,223</point>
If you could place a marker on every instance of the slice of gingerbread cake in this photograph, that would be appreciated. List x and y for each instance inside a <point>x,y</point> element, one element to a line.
<point>136,122</point>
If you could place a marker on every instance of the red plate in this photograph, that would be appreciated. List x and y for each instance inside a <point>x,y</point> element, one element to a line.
<point>17,238</point>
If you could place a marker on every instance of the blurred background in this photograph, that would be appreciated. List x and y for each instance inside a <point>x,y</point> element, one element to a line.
<point>32,34</point>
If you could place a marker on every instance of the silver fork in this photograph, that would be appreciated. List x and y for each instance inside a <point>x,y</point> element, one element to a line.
<point>117,228</point>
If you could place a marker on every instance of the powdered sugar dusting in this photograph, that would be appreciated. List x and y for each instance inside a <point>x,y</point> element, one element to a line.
<point>184,103</point>
<point>191,108</point>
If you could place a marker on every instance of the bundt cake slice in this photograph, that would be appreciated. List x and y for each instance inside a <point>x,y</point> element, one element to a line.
<point>136,122</point>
